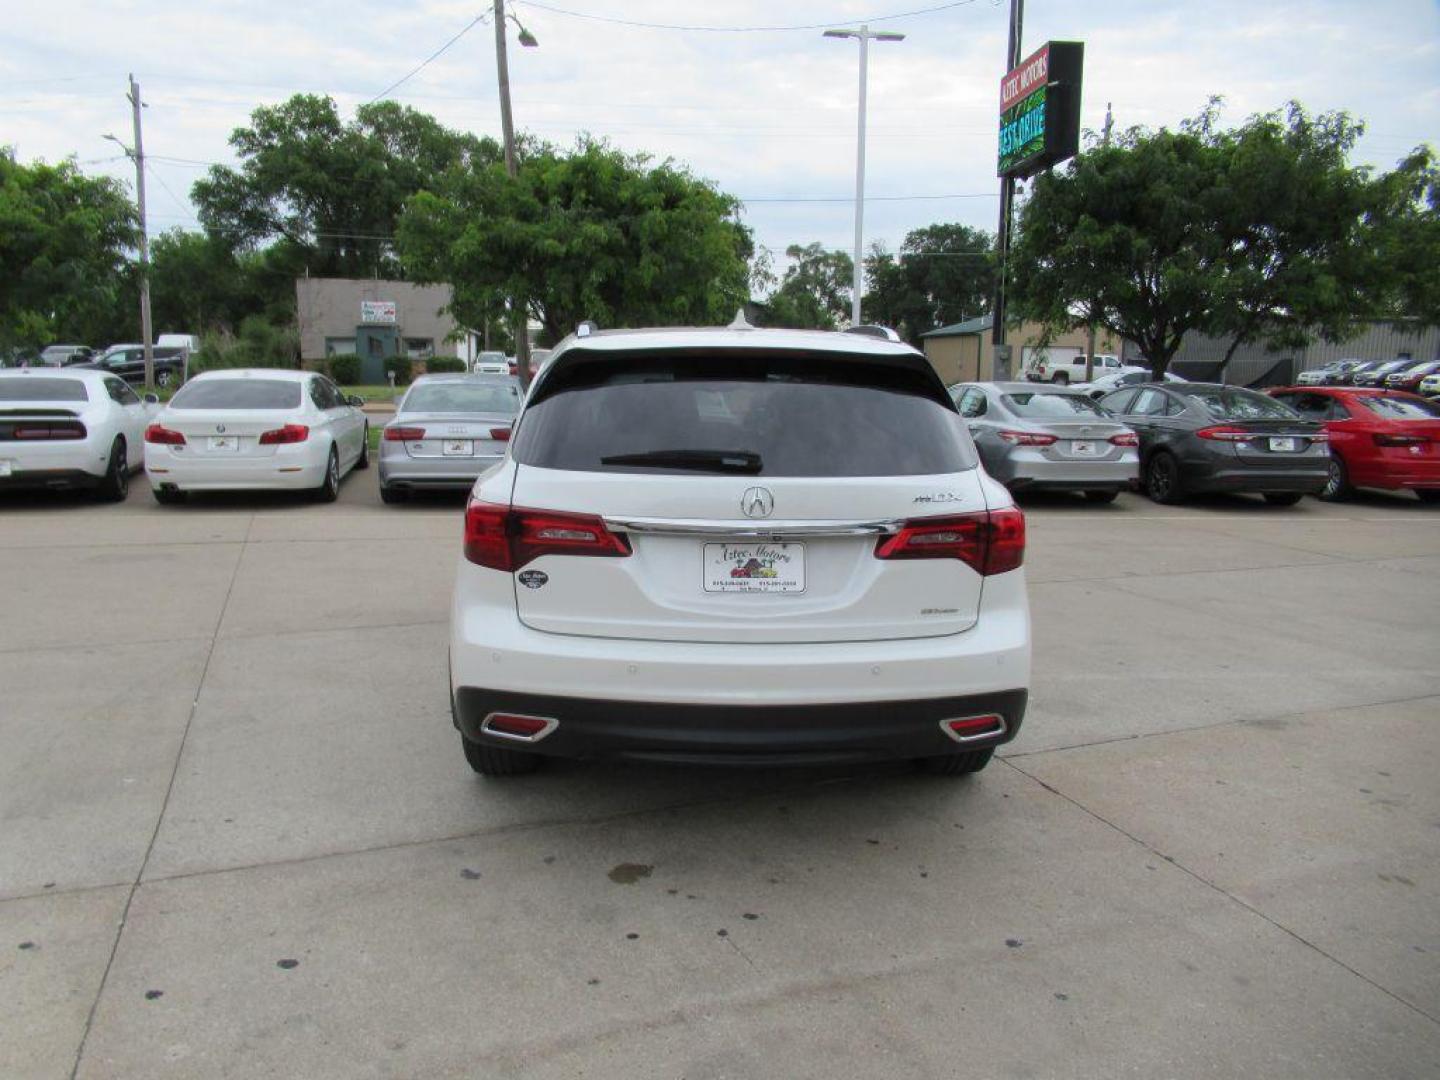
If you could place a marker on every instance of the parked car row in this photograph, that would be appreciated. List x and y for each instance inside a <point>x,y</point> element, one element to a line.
<point>1177,438</point>
<point>1404,374</point>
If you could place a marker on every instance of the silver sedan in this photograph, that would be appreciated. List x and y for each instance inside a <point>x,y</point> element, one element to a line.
<point>1048,437</point>
<point>448,429</point>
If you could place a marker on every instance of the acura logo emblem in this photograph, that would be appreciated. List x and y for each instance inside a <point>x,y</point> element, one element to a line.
<point>757,502</point>
<point>220,428</point>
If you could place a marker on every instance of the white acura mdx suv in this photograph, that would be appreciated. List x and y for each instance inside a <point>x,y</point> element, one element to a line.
<point>740,546</point>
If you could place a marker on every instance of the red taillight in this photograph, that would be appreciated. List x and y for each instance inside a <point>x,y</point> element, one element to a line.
<point>1223,433</point>
<point>1125,438</point>
<point>64,429</point>
<point>163,436</point>
<point>1027,438</point>
<point>290,433</point>
<point>989,542</point>
<point>1400,440</point>
<point>404,434</point>
<point>506,539</point>
<point>500,434</point>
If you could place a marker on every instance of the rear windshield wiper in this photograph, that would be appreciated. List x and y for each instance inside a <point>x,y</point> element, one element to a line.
<point>736,461</point>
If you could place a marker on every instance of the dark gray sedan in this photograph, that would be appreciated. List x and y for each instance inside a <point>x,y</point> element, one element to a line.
<point>1208,437</point>
<point>448,429</point>
<point>1042,436</point>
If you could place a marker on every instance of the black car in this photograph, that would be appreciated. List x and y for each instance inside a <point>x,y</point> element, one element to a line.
<point>1210,437</point>
<point>1347,376</point>
<point>128,361</point>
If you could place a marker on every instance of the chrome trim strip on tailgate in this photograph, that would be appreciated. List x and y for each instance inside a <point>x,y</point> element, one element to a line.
<point>770,530</point>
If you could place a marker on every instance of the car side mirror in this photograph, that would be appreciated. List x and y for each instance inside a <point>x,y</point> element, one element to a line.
<point>151,399</point>
<point>356,401</point>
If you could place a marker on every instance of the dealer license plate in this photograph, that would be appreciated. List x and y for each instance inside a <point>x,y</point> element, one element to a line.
<point>224,442</point>
<point>754,568</point>
<point>459,447</point>
<point>1282,444</point>
<point>1082,448</point>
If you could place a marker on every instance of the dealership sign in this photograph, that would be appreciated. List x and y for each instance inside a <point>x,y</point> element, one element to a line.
<point>1040,109</point>
<point>378,311</point>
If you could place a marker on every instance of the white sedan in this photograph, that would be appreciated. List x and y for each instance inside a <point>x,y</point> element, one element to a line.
<point>1131,376</point>
<point>256,429</point>
<point>71,428</point>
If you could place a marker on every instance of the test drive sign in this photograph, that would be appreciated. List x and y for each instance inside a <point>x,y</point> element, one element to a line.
<point>1040,109</point>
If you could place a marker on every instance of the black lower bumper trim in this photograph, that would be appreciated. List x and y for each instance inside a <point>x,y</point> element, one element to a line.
<point>59,479</point>
<point>740,734</point>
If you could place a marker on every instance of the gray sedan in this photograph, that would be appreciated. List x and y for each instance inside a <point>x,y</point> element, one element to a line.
<point>447,430</point>
<point>1050,437</point>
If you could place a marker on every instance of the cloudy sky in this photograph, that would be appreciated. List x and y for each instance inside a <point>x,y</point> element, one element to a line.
<point>746,93</point>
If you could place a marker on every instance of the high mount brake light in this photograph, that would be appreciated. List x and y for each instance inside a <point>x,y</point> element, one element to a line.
<point>163,436</point>
<point>290,433</point>
<point>506,538</point>
<point>989,542</point>
<point>1027,438</point>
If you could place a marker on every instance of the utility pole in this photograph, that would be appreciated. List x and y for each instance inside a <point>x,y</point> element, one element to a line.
<point>139,155</point>
<point>1001,365</point>
<point>1090,337</point>
<point>507,129</point>
<point>864,36</point>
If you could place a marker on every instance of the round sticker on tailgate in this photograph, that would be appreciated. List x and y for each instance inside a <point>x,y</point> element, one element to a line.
<point>533,579</point>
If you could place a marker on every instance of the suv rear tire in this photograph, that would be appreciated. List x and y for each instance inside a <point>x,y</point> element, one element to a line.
<point>1062,378</point>
<point>962,764</point>
<point>490,760</point>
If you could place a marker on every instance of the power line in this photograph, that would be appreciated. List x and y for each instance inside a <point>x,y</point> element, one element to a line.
<point>737,29</point>
<point>426,62</point>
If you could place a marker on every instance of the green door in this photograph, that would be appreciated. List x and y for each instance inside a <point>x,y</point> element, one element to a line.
<point>374,344</point>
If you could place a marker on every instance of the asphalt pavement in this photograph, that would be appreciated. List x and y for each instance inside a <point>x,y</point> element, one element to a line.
<point>238,838</point>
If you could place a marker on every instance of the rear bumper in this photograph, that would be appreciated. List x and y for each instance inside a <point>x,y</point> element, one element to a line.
<point>1029,470</point>
<point>741,734</point>
<point>297,468</point>
<point>402,471</point>
<point>62,479</point>
<point>1309,481</point>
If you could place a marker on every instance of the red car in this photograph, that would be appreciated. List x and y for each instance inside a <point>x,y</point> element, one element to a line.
<point>1378,438</point>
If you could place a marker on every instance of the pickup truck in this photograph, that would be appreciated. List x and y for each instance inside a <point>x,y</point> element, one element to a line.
<point>1065,370</point>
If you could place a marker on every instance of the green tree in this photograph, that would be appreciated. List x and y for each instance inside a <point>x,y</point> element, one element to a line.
<point>590,234</point>
<point>815,290</point>
<point>64,238</point>
<point>1409,245</point>
<point>1303,260</point>
<point>1263,233</point>
<point>944,274</point>
<point>332,190</point>
<point>196,282</point>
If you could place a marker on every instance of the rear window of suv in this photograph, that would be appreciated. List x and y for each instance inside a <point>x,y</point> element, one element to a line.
<point>238,394</point>
<point>758,414</point>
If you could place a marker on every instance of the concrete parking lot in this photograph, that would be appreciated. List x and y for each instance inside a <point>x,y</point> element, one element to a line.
<point>237,837</point>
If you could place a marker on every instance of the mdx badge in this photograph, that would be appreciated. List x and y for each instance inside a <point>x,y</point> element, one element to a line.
<point>757,502</point>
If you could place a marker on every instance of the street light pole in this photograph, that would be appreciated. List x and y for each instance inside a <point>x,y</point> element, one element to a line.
<point>507,130</point>
<point>864,36</point>
<point>1000,364</point>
